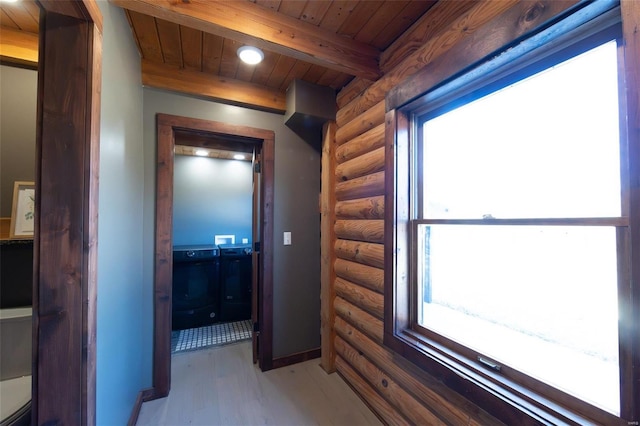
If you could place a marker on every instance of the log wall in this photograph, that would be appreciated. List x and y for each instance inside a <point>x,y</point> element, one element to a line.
<point>397,391</point>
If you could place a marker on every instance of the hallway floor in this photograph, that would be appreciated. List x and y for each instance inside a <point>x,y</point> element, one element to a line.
<point>221,386</point>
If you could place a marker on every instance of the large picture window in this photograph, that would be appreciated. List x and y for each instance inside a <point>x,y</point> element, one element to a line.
<point>515,227</point>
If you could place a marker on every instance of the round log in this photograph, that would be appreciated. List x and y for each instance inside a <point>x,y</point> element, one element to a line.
<point>352,90</point>
<point>365,186</point>
<point>371,231</point>
<point>362,144</point>
<point>370,254</point>
<point>365,164</point>
<point>404,402</point>
<point>362,208</point>
<point>450,406</point>
<point>363,321</point>
<point>366,121</point>
<point>367,276</point>
<point>367,300</point>
<point>382,408</point>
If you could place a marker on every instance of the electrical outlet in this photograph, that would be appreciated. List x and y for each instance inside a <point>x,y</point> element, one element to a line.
<point>287,238</point>
<point>245,241</point>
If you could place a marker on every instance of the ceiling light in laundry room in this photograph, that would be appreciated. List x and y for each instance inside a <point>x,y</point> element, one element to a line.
<point>202,152</point>
<point>238,157</point>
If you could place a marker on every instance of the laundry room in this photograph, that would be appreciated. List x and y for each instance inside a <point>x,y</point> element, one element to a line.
<point>212,242</point>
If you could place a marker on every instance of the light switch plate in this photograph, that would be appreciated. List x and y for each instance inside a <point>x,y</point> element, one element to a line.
<point>287,238</point>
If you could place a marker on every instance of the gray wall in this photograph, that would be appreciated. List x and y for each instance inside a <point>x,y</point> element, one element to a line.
<point>211,197</point>
<point>124,330</point>
<point>296,296</point>
<point>18,96</point>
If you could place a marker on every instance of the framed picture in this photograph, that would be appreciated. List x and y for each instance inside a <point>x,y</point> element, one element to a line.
<point>23,210</point>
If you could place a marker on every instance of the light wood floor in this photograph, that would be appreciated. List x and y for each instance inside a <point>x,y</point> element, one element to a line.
<point>221,386</point>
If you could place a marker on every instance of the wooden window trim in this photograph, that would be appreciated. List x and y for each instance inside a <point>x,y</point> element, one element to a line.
<point>508,402</point>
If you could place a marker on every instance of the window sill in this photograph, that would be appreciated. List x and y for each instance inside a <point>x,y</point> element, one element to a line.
<point>501,397</point>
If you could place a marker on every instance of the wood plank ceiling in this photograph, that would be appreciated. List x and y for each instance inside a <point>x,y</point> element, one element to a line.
<point>190,46</point>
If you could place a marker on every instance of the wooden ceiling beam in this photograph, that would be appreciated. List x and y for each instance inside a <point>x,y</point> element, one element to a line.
<point>19,46</point>
<point>249,23</point>
<point>213,87</point>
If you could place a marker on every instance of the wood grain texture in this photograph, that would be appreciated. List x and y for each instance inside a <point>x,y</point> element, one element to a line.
<point>371,231</point>
<point>362,320</point>
<point>385,15</point>
<point>144,27</point>
<point>202,84</point>
<point>327,240</point>
<point>365,186</point>
<point>353,89</point>
<point>365,253</point>
<point>367,276</point>
<point>366,142</point>
<point>388,413</point>
<point>19,45</point>
<point>169,35</point>
<point>248,23</point>
<point>448,405</point>
<point>163,258</point>
<point>407,16</point>
<point>65,237</point>
<point>211,53</point>
<point>365,164</point>
<point>367,300</point>
<point>436,20</point>
<point>17,16</point>
<point>362,208</point>
<point>503,25</point>
<point>399,398</point>
<point>451,34</point>
<point>191,46</point>
<point>350,127</point>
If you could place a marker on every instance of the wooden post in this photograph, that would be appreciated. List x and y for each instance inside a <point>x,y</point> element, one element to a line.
<point>327,234</point>
<point>65,238</point>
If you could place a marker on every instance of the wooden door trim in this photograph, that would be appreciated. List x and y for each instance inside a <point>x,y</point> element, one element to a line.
<point>66,226</point>
<point>167,125</point>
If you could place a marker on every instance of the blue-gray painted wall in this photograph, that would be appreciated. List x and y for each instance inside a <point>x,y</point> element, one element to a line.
<point>126,223</point>
<point>296,274</point>
<point>18,96</point>
<point>124,333</point>
<point>211,196</point>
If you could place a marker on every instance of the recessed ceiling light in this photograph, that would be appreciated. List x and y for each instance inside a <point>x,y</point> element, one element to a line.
<point>202,153</point>
<point>238,157</point>
<point>250,55</point>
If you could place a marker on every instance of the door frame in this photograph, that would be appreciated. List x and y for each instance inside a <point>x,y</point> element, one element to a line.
<point>167,125</point>
<point>66,223</point>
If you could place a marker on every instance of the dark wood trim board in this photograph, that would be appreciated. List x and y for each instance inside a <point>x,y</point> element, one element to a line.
<point>65,237</point>
<point>296,358</point>
<point>167,125</point>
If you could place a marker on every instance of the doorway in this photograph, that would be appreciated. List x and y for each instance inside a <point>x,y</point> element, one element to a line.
<point>198,131</point>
